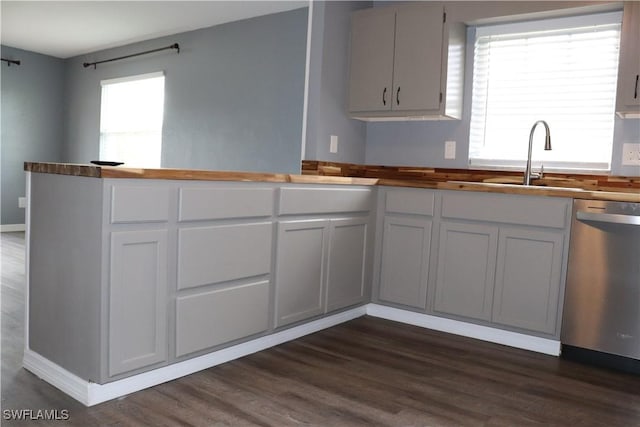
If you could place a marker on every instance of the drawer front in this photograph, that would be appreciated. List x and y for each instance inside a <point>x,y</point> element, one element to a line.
<point>418,202</point>
<point>139,204</point>
<point>219,203</point>
<point>324,200</point>
<point>212,318</point>
<point>507,208</point>
<point>208,255</point>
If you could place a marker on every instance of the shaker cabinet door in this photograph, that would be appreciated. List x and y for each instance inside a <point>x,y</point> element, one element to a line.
<point>137,300</point>
<point>528,279</point>
<point>466,269</point>
<point>300,267</point>
<point>406,247</point>
<point>372,38</point>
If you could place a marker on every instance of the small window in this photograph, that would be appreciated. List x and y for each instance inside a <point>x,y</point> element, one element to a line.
<point>131,120</point>
<point>563,71</point>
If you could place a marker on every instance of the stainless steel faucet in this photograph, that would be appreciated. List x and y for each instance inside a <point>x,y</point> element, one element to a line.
<point>547,146</point>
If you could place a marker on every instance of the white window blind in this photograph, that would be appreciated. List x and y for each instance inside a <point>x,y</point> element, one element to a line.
<point>563,71</point>
<point>131,120</point>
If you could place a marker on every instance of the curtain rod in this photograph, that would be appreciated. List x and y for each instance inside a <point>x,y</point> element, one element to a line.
<point>10,61</point>
<point>175,46</point>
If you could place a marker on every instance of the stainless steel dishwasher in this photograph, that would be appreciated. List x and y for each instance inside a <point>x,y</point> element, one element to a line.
<point>601,320</point>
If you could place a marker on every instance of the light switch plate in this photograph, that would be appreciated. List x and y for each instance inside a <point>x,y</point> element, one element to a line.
<point>449,149</point>
<point>22,202</point>
<point>333,144</point>
<point>631,154</point>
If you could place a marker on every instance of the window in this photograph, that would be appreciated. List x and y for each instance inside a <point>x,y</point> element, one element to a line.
<point>563,71</point>
<point>131,120</point>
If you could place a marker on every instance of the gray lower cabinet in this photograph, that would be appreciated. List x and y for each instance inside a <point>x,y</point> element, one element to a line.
<point>346,262</point>
<point>137,300</point>
<point>406,247</point>
<point>466,267</point>
<point>528,278</point>
<point>502,258</point>
<point>300,260</point>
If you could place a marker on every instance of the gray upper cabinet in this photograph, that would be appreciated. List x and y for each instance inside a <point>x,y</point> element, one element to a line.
<point>372,38</point>
<point>628,95</point>
<point>466,268</point>
<point>400,63</point>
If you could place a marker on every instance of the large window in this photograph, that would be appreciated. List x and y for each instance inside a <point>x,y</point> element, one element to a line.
<point>131,120</point>
<point>563,71</point>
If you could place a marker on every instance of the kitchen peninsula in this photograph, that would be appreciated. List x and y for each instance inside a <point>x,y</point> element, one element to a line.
<point>140,276</point>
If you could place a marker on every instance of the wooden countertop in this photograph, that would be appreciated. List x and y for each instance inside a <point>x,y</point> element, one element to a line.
<point>628,195</point>
<point>93,171</point>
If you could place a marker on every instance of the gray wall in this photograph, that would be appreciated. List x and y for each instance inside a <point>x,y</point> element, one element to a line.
<point>422,143</point>
<point>31,127</point>
<point>233,96</point>
<point>329,85</point>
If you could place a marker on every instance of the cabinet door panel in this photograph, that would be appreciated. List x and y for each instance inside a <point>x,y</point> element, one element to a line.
<point>137,300</point>
<point>346,267</point>
<point>528,279</point>
<point>628,96</point>
<point>466,270</point>
<point>406,245</point>
<point>372,35</point>
<point>417,61</point>
<point>299,270</point>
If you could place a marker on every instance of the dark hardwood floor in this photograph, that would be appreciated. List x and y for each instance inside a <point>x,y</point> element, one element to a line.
<point>367,372</point>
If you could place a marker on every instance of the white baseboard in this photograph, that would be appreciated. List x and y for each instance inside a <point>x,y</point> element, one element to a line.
<point>90,393</point>
<point>485,333</point>
<point>9,228</point>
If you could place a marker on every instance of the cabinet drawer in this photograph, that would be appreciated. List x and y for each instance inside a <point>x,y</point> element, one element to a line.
<point>209,255</point>
<point>139,204</point>
<point>324,200</point>
<point>508,209</point>
<point>212,318</point>
<point>219,203</point>
<point>418,202</point>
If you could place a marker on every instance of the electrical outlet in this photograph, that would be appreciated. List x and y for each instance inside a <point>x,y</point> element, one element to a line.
<point>333,144</point>
<point>449,149</point>
<point>22,202</point>
<point>631,154</point>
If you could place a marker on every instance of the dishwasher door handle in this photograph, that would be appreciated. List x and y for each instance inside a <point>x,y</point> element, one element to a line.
<point>610,218</point>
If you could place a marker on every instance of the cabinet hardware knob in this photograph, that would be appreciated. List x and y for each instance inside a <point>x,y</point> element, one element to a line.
<point>384,96</point>
<point>398,96</point>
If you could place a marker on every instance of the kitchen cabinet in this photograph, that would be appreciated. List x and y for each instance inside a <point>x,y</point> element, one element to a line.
<point>628,94</point>
<point>300,269</point>
<point>502,259</point>
<point>528,278</point>
<point>321,255</point>
<point>347,262</point>
<point>137,300</point>
<point>406,246</point>
<point>466,266</point>
<point>406,62</point>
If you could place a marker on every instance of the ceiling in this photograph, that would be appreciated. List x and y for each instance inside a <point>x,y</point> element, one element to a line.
<point>69,28</point>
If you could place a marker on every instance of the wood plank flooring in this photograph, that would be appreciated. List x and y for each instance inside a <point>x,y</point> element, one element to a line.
<point>367,372</point>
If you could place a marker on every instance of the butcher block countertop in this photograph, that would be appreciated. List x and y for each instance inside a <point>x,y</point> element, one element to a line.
<point>587,187</point>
